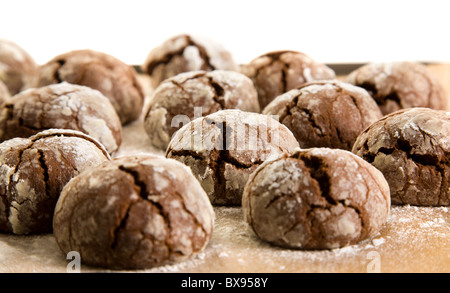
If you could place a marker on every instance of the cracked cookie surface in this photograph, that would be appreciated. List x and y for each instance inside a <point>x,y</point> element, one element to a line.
<point>411,148</point>
<point>318,198</point>
<point>134,212</point>
<point>325,113</point>
<point>64,106</point>
<point>113,78</point>
<point>400,85</point>
<point>275,73</point>
<point>18,69</point>
<point>223,148</point>
<point>184,53</point>
<point>174,101</point>
<point>33,172</point>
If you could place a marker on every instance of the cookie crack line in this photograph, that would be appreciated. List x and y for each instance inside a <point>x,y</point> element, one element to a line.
<point>11,188</point>
<point>165,60</point>
<point>312,121</point>
<point>371,89</point>
<point>321,177</point>
<point>143,193</point>
<point>218,92</point>
<point>202,52</point>
<point>44,168</point>
<point>135,175</point>
<point>403,146</point>
<point>274,56</point>
<point>122,225</point>
<point>194,218</point>
<point>168,57</point>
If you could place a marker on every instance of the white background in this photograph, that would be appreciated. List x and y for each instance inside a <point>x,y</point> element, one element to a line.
<point>329,31</point>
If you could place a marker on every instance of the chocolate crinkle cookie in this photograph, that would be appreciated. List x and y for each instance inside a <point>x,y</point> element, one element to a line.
<point>134,212</point>
<point>318,198</point>
<point>411,148</point>
<point>183,53</point>
<point>326,113</point>
<point>277,72</point>
<point>18,69</point>
<point>65,106</point>
<point>180,99</point>
<point>103,72</point>
<point>34,171</point>
<point>223,148</point>
<point>400,85</point>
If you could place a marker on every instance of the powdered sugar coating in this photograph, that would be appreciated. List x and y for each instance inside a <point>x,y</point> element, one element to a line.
<point>325,113</point>
<point>400,85</point>
<point>411,147</point>
<point>189,95</point>
<point>116,80</point>
<point>17,68</point>
<point>223,148</point>
<point>275,73</point>
<point>34,171</point>
<point>318,198</point>
<point>65,106</point>
<point>183,53</point>
<point>134,212</point>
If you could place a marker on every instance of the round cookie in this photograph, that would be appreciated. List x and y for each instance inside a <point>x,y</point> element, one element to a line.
<point>318,198</point>
<point>277,72</point>
<point>411,148</point>
<point>183,53</point>
<point>17,68</point>
<point>325,113</point>
<point>400,85</point>
<point>223,148</point>
<point>134,212</point>
<point>193,94</point>
<point>65,106</point>
<point>34,171</point>
<point>100,71</point>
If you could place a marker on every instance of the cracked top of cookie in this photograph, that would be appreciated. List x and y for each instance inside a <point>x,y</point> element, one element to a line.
<point>247,138</point>
<point>65,106</point>
<point>33,172</point>
<point>103,72</point>
<point>318,198</point>
<point>275,73</point>
<point>17,68</point>
<point>400,85</point>
<point>184,53</point>
<point>327,113</point>
<point>190,95</point>
<point>134,212</point>
<point>223,148</point>
<point>412,149</point>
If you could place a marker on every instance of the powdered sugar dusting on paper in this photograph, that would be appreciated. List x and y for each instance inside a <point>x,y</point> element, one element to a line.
<point>234,247</point>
